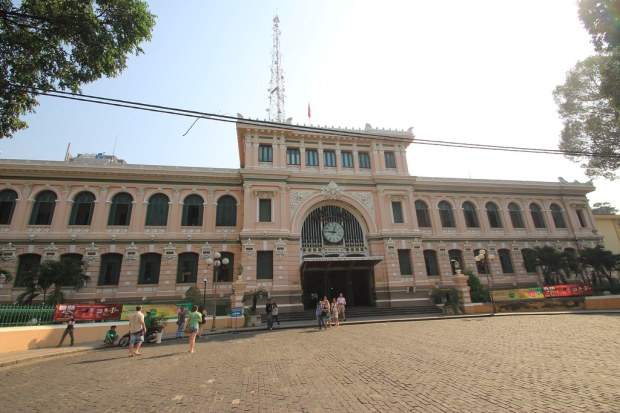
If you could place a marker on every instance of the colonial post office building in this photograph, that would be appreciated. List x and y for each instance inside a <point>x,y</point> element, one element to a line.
<point>310,212</point>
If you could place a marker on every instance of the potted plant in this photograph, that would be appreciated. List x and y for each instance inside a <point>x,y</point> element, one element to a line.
<point>251,317</point>
<point>159,325</point>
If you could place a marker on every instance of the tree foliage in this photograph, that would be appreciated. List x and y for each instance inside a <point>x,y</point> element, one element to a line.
<point>478,293</point>
<point>54,275</point>
<point>556,266</point>
<point>590,119</point>
<point>598,263</point>
<point>63,44</point>
<point>604,208</point>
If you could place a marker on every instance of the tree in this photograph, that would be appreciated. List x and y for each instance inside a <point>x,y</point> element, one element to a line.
<point>58,274</point>
<point>63,44</point>
<point>602,262</point>
<point>254,295</point>
<point>604,208</point>
<point>556,266</point>
<point>478,293</point>
<point>194,295</point>
<point>590,119</point>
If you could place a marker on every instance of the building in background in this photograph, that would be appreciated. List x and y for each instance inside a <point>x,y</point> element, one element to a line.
<point>608,227</point>
<point>311,211</point>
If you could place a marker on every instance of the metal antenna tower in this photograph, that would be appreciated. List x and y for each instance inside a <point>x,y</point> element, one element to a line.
<point>276,84</point>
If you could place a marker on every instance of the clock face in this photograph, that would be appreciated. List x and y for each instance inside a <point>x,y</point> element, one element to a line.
<point>333,232</point>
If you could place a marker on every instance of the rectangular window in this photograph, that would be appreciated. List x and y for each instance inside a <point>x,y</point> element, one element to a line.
<point>292,156</point>
<point>397,212</point>
<point>390,160</point>
<point>264,265</point>
<point>364,160</point>
<point>265,153</point>
<point>264,210</point>
<point>347,159</point>
<point>330,158</point>
<point>404,261</point>
<point>581,218</point>
<point>312,157</point>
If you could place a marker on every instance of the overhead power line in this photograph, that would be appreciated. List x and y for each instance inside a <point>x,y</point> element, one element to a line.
<point>299,128</point>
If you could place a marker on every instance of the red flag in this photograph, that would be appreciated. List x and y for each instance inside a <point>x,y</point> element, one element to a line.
<point>309,113</point>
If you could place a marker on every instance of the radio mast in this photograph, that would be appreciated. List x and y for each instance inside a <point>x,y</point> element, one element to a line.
<point>276,84</point>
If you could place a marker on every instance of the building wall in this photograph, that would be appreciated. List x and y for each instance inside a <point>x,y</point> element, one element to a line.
<point>294,191</point>
<point>608,227</point>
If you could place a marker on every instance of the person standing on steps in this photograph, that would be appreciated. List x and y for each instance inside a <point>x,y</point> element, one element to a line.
<point>68,330</point>
<point>137,328</point>
<point>342,303</point>
<point>274,312</point>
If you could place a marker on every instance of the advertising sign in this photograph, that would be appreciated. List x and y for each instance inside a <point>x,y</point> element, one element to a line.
<point>88,312</point>
<point>236,312</point>
<point>567,290</point>
<point>158,310</point>
<point>518,294</point>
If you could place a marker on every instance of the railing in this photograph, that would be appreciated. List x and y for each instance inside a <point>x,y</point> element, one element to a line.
<point>25,315</point>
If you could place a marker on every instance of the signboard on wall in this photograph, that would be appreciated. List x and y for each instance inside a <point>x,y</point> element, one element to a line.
<point>159,310</point>
<point>88,312</point>
<point>518,294</point>
<point>567,290</point>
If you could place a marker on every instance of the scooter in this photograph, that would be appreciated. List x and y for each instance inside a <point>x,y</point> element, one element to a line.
<point>149,337</point>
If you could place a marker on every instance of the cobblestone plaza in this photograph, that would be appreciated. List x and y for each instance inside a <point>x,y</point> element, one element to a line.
<point>525,363</point>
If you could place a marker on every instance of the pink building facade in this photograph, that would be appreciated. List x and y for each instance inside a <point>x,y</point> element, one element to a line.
<point>310,212</point>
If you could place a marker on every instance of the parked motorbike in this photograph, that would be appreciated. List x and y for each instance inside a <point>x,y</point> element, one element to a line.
<point>149,337</point>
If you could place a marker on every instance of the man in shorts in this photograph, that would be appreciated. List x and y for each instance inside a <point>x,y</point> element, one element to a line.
<point>137,328</point>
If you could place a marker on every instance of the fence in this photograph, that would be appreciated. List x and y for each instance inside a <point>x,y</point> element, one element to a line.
<point>24,315</point>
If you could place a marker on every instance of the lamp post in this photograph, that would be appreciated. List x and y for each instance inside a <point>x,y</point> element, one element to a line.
<point>216,261</point>
<point>484,259</point>
<point>204,296</point>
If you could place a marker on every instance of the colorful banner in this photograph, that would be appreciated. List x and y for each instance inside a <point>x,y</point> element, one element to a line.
<point>157,310</point>
<point>88,312</point>
<point>567,290</point>
<point>518,294</point>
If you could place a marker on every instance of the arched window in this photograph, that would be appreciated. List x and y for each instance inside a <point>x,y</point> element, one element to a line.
<point>495,220</point>
<point>110,270</point>
<point>43,209</point>
<point>157,211</point>
<point>446,215</point>
<point>421,212</point>
<point>193,206</point>
<point>537,216</point>
<point>516,217</point>
<point>505,261</point>
<point>455,256</point>
<point>27,268</point>
<point>7,206</point>
<point>187,269</point>
<point>82,210</point>
<point>120,210</point>
<point>471,217</point>
<point>558,218</point>
<point>529,259</point>
<point>430,261</point>
<point>149,268</point>
<point>226,215</point>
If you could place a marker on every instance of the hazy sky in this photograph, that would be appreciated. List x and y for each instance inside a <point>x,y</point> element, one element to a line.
<point>466,71</point>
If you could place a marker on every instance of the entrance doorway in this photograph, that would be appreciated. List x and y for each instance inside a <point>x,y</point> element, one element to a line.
<point>353,277</point>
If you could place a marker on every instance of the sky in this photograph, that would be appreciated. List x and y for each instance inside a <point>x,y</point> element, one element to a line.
<point>478,71</point>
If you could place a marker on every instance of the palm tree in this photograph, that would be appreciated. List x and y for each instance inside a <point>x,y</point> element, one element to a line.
<point>254,295</point>
<point>58,274</point>
<point>602,262</point>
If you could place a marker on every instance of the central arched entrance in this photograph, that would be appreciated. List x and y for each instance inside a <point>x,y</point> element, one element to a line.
<point>335,258</point>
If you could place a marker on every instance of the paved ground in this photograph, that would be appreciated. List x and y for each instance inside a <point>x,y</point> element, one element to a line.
<point>525,363</point>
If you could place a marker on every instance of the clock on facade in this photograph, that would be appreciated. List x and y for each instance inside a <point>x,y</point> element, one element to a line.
<point>333,232</point>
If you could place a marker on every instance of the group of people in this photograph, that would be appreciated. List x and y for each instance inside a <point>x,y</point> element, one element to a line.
<point>328,313</point>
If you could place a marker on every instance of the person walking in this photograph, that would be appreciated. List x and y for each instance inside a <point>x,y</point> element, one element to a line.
<point>335,312</point>
<point>325,307</point>
<point>180,322</point>
<point>274,312</point>
<point>269,311</point>
<point>68,330</point>
<point>137,328</point>
<point>203,322</point>
<point>194,324</point>
<point>342,303</point>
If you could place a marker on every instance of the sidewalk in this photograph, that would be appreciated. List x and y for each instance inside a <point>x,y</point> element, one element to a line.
<point>16,357</point>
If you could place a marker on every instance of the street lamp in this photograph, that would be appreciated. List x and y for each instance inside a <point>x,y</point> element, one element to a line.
<point>204,296</point>
<point>484,259</point>
<point>216,262</point>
